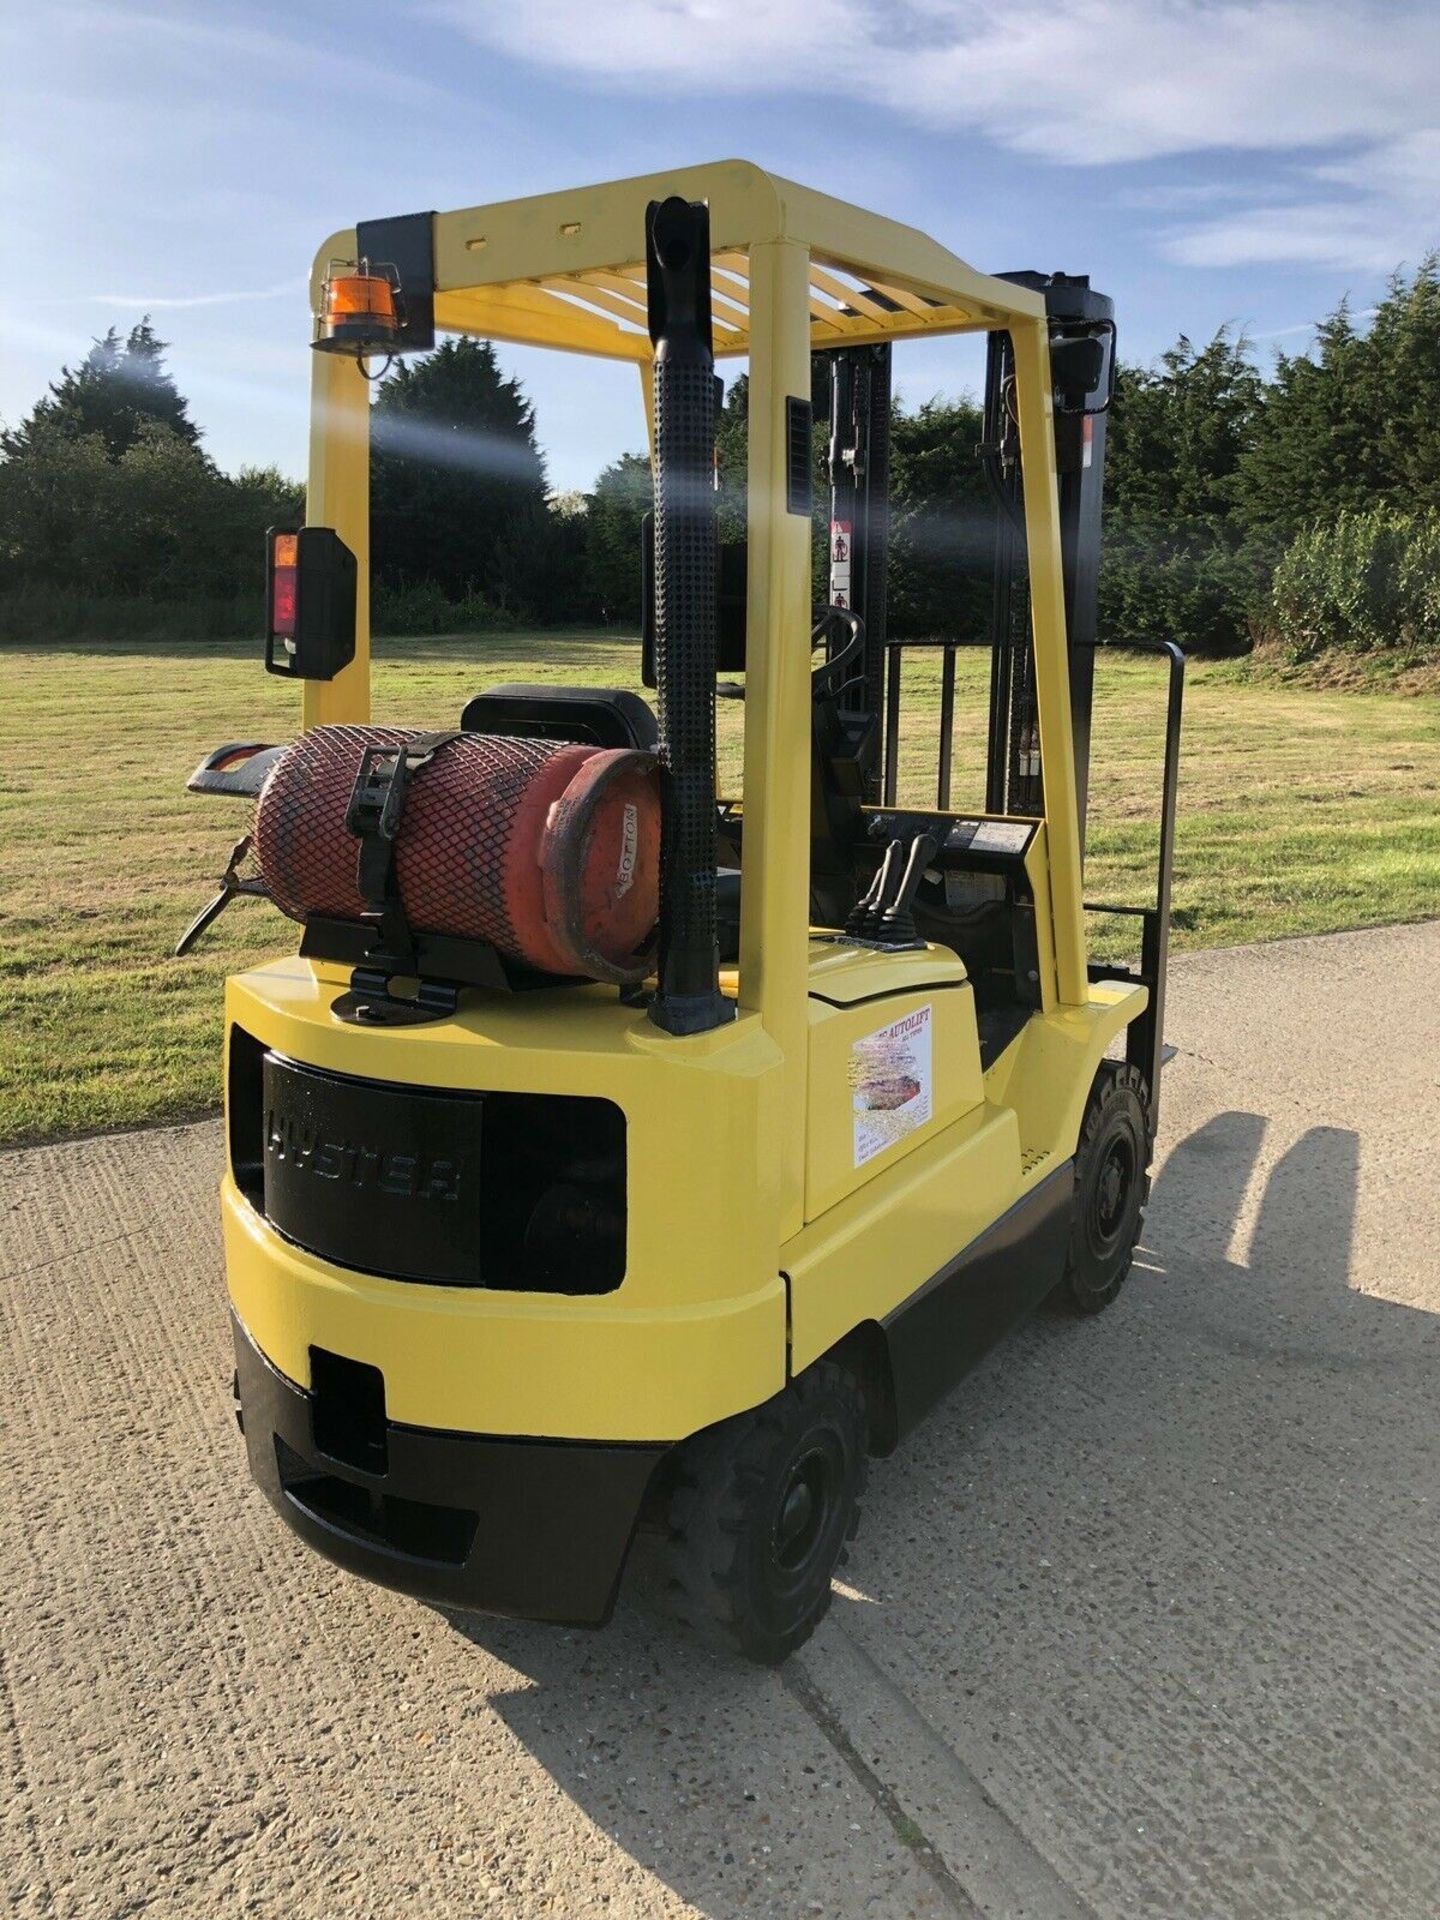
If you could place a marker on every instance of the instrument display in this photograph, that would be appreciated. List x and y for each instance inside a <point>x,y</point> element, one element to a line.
<point>965,839</point>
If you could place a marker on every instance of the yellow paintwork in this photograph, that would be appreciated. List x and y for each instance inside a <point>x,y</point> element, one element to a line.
<point>1045,1077</point>
<point>565,269</point>
<point>508,1363</point>
<point>754,1241</point>
<point>338,495</point>
<point>831,1169</point>
<point>774,913</point>
<point>845,974</point>
<point>865,1256</point>
<point>1035,409</point>
<point>700,1316</point>
<point>1037,872</point>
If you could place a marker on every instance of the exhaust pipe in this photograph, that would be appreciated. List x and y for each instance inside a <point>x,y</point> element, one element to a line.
<point>677,255</point>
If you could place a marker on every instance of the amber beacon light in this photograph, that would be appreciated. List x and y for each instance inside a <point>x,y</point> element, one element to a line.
<point>359,309</point>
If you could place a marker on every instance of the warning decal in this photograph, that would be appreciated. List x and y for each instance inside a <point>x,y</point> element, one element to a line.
<point>841,532</point>
<point>890,1083</point>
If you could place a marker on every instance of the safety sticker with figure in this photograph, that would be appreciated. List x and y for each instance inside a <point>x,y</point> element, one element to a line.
<point>890,1083</point>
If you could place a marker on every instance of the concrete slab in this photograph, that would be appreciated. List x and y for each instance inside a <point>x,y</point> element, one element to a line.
<point>1141,1622</point>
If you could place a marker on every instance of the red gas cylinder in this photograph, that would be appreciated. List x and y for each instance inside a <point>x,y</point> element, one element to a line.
<point>551,853</point>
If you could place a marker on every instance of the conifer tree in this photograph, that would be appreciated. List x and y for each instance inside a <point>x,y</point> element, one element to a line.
<point>457,477</point>
<point>119,388</point>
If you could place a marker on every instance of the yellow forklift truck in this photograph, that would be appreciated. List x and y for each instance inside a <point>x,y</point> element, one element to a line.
<point>615,1161</point>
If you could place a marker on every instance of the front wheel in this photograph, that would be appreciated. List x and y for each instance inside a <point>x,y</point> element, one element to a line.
<point>1112,1184</point>
<point>760,1510</point>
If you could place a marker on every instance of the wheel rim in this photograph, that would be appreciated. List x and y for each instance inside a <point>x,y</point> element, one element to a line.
<point>1110,1196</point>
<point>802,1514</point>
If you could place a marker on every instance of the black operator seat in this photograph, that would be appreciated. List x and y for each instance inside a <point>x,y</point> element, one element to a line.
<point>844,751</point>
<point>592,716</point>
<point>843,748</point>
<point>598,717</point>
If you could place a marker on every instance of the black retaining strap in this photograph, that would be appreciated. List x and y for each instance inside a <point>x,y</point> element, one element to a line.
<point>377,805</point>
<point>232,886</point>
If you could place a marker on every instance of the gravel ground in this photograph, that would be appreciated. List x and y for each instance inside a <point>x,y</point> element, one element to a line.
<point>1142,1622</point>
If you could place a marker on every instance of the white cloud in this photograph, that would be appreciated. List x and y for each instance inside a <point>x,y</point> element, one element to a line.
<point>173,39</point>
<point>1078,82</point>
<point>1074,80</point>
<point>1387,211</point>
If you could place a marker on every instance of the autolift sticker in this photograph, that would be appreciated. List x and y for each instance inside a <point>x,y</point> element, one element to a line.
<point>890,1083</point>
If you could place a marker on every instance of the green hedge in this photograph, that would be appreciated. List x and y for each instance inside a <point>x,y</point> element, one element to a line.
<point>33,615</point>
<point>1363,583</point>
<point>1176,579</point>
<point>423,609</point>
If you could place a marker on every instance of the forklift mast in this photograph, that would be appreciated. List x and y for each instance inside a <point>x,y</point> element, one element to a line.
<point>1081,333</point>
<point>860,518</point>
<point>1082,358</point>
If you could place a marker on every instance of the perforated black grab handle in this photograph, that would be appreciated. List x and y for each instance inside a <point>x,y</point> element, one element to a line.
<point>686,556</point>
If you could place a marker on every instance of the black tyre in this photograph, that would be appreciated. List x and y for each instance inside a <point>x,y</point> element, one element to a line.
<point>760,1510</point>
<point>1112,1185</point>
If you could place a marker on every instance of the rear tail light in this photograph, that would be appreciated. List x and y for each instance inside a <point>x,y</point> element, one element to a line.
<point>284,563</point>
<point>309,603</point>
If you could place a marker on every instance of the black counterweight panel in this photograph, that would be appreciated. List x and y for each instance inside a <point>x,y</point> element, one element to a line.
<point>510,1191</point>
<point>383,1179</point>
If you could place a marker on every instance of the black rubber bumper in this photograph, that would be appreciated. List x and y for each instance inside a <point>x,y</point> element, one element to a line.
<point>537,1529</point>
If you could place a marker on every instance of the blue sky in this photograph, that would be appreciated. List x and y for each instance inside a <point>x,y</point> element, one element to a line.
<point>1203,162</point>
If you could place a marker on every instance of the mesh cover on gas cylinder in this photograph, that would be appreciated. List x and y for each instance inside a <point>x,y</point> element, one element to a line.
<point>548,852</point>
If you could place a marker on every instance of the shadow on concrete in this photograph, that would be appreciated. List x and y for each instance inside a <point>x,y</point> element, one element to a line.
<point>1170,1537</point>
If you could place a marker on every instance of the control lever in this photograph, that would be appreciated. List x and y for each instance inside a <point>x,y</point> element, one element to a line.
<point>897,923</point>
<point>864,917</point>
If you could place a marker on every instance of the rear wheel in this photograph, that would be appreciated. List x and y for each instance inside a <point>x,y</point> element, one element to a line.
<point>1112,1185</point>
<point>759,1513</point>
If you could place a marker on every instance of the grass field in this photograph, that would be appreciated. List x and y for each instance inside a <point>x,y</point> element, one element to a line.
<point>1300,812</point>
